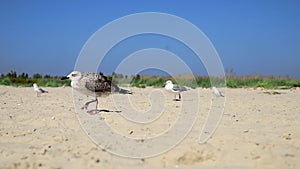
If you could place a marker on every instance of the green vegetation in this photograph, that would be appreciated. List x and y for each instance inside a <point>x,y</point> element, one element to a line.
<point>231,82</point>
<point>270,82</point>
<point>142,81</point>
<point>12,79</point>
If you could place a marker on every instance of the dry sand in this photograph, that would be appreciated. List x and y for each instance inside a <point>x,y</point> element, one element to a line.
<point>258,130</point>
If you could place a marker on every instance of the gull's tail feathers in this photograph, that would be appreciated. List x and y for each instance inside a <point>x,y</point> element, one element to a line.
<point>123,91</point>
<point>43,91</point>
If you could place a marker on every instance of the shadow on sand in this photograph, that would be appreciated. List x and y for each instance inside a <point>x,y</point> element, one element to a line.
<point>94,112</point>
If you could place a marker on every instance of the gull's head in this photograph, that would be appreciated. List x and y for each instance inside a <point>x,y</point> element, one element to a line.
<point>169,85</point>
<point>216,91</point>
<point>35,85</point>
<point>75,75</point>
<point>168,82</point>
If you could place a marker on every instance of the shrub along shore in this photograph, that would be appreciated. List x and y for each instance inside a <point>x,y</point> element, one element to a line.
<point>251,81</point>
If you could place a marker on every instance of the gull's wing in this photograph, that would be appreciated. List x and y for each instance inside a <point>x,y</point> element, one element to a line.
<point>100,84</point>
<point>96,83</point>
<point>178,88</point>
<point>38,89</point>
<point>42,90</point>
<point>217,92</point>
<point>221,94</point>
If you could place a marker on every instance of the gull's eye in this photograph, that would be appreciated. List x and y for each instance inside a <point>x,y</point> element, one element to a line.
<point>73,75</point>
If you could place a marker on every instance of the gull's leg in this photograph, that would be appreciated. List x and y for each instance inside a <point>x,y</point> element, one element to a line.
<point>96,104</point>
<point>179,96</point>
<point>85,106</point>
<point>92,112</point>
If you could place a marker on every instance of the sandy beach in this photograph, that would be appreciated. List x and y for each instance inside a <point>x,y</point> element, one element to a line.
<point>258,130</point>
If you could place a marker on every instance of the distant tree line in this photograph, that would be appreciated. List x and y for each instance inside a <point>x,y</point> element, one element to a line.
<point>13,74</point>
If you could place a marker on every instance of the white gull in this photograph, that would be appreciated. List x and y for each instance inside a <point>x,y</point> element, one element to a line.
<point>38,90</point>
<point>169,86</point>
<point>217,92</point>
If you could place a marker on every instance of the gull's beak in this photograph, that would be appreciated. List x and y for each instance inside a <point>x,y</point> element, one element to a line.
<point>64,78</point>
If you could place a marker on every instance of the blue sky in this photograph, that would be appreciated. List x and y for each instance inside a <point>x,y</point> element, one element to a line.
<point>252,37</point>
